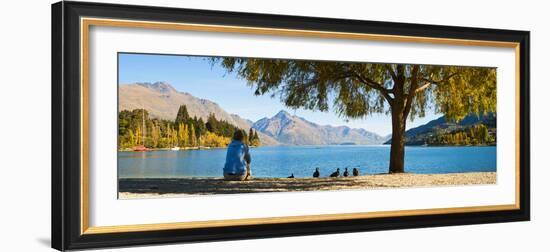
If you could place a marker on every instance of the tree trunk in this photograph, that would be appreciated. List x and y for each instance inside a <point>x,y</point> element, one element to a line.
<point>397,153</point>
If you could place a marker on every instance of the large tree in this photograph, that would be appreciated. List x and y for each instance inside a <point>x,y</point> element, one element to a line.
<point>356,90</point>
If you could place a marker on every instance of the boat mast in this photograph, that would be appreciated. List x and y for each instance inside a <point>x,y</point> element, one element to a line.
<point>143,125</point>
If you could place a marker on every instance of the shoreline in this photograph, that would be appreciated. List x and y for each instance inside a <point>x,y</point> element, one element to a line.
<point>384,145</point>
<point>449,145</point>
<point>182,148</point>
<point>134,188</point>
<point>170,149</point>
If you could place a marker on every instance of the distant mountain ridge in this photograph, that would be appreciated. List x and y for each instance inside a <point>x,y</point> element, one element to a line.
<point>163,101</point>
<point>294,130</point>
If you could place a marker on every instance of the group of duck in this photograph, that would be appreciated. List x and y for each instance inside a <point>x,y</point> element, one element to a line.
<point>336,174</point>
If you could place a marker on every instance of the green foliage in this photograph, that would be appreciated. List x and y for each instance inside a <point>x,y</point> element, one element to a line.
<point>253,138</point>
<point>220,127</point>
<point>472,90</point>
<point>184,131</point>
<point>182,116</point>
<point>477,134</point>
<point>356,90</point>
<point>131,127</point>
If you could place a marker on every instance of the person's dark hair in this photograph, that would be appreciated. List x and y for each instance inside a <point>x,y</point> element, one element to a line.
<point>238,135</point>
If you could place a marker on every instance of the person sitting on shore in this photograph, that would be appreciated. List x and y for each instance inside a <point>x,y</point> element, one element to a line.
<point>316,174</point>
<point>291,176</point>
<point>336,173</point>
<point>346,173</point>
<point>237,160</point>
<point>355,172</point>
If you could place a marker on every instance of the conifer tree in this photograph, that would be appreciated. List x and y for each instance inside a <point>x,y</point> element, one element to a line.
<point>182,116</point>
<point>250,135</point>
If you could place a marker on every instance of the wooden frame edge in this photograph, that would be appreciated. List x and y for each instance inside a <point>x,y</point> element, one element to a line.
<point>86,22</point>
<point>290,219</point>
<point>290,32</point>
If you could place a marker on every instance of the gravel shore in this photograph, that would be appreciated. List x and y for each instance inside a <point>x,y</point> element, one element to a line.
<point>176,187</point>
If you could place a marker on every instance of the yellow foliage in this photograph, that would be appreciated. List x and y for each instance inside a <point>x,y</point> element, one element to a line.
<point>212,140</point>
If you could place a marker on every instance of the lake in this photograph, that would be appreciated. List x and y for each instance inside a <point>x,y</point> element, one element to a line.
<point>281,161</point>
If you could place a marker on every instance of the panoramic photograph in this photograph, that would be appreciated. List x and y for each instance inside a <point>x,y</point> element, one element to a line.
<point>208,125</point>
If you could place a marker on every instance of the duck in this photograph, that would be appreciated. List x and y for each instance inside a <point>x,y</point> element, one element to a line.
<point>291,176</point>
<point>336,173</point>
<point>316,174</point>
<point>355,172</point>
<point>346,173</point>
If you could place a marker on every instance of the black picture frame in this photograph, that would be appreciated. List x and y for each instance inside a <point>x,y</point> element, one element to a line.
<point>66,114</point>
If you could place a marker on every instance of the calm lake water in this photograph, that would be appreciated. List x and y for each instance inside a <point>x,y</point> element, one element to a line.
<point>281,161</point>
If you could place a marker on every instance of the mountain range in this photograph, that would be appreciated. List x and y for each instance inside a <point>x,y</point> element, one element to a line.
<point>162,101</point>
<point>294,130</point>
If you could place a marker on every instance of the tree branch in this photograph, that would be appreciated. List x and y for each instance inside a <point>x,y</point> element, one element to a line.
<point>412,90</point>
<point>430,81</point>
<point>392,73</point>
<point>423,86</point>
<point>375,85</point>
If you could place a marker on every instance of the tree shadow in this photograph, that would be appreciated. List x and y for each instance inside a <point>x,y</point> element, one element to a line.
<point>220,186</point>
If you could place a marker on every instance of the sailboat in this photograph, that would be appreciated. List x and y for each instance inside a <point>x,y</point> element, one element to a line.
<point>144,131</point>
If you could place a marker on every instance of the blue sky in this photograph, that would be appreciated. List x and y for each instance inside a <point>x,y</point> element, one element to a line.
<point>198,77</point>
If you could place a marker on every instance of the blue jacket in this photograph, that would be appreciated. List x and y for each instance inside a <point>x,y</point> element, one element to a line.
<point>236,159</point>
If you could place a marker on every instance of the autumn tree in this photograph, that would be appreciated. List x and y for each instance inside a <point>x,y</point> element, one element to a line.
<point>170,136</point>
<point>357,90</point>
<point>155,135</point>
<point>183,135</point>
<point>131,139</point>
<point>192,136</point>
<point>139,137</point>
